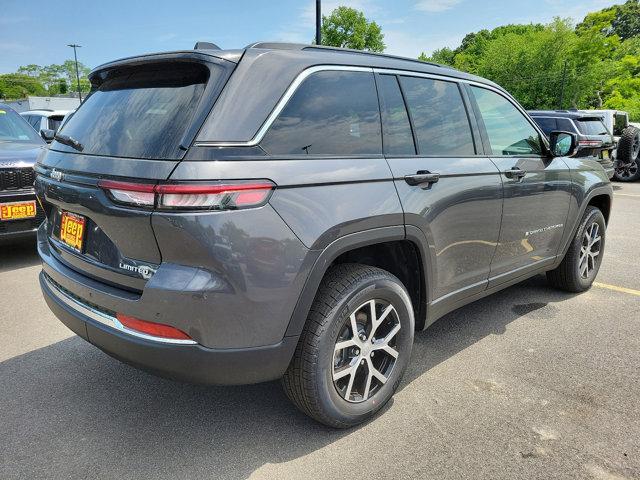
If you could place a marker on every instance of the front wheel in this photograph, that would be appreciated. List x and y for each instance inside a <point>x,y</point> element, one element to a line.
<point>580,265</point>
<point>354,348</point>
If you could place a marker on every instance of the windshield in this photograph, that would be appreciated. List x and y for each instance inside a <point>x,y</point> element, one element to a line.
<point>14,128</point>
<point>139,112</point>
<point>592,127</point>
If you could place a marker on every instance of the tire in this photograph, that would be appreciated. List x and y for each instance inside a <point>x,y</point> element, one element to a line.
<point>628,156</point>
<point>570,274</point>
<point>311,382</point>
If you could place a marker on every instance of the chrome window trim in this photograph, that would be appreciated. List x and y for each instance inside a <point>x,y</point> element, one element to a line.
<point>302,76</point>
<point>106,319</point>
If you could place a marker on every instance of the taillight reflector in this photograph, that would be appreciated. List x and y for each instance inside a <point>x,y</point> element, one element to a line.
<point>152,328</point>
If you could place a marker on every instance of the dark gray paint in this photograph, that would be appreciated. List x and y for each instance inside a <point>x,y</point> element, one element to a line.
<point>459,215</point>
<point>238,279</point>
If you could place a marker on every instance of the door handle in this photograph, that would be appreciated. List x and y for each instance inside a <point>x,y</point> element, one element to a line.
<point>515,172</point>
<point>422,177</point>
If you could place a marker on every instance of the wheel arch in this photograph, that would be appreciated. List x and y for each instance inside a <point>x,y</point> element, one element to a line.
<point>359,247</point>
<point>600,197</point>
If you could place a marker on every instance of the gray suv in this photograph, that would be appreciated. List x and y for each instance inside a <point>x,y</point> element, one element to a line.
<point>298,212</point>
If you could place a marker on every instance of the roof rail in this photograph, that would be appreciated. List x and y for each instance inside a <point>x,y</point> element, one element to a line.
<point>376,54</point>
<point>302,46</point>
<point>206,46</point>
<point>277,45</point>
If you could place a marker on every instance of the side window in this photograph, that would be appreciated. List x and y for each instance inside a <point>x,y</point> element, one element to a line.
<point>34,121</point>
<point>510,133</point>
<point>331,113</point>
<point>547,124</point>
<point>565,125</point>
<point>396,129</point>
<point>439,117</point>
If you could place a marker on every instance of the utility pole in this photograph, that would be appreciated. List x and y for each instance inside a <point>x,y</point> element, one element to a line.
<point>318,23</point>
<point>75,56</point>
<point>564,78</point>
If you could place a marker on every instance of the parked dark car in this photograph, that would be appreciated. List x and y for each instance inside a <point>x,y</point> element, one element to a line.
<point>594,139</point>
<point>20,146</point>
<point>297,212</point>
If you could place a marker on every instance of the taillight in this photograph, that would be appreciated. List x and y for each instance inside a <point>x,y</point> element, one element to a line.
<point>152,328</point>
<point>213,196</point>
<point>198,196</point>
<point>590,143</point>
<point>139,194</point>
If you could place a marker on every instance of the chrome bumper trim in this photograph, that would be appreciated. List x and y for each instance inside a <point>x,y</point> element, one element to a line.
<point>106,319</point>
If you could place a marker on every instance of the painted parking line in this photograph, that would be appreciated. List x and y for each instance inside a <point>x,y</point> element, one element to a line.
<point>630,291</point>
<point>625,195</point>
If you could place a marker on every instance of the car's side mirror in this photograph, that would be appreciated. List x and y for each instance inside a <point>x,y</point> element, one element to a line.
<point>563,144</point>
<point>47,135</point>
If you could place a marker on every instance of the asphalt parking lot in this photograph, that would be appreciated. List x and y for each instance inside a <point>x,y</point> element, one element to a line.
<point>527,383</point>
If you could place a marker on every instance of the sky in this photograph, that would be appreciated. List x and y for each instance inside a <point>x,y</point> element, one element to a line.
<point>37,31</point>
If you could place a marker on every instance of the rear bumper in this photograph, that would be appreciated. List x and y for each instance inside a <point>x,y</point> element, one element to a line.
<point>187,362</point>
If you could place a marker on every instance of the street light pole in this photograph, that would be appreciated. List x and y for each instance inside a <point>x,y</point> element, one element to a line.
<point>318,23</point>
<point>75,56</point>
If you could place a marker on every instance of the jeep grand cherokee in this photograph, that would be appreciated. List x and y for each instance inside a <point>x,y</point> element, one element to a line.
<point>298,212</point>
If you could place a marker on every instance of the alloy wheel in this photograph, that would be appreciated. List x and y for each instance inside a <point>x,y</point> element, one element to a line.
<point>365,353</point>
<point>589,250</point>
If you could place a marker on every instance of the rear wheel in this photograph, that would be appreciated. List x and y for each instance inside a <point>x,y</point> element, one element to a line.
<point>628,156</point>
<point>580,265</point>
<point>354,348</point>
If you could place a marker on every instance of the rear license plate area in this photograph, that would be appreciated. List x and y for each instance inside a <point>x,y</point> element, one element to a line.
<point>72,230</point>
<point>17,210</point>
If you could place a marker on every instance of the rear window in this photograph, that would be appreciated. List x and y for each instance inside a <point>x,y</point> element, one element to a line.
<point>592,127</point>
<point>140,112</point>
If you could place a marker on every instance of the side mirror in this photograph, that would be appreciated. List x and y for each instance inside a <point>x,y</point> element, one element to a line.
<point>47,135</point>
<point>563,144</point>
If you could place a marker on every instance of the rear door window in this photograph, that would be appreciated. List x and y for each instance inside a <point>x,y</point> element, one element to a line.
<point>331,113</point>
<point>439,117</point>
<point>141,111</point>
<point>396,129</point>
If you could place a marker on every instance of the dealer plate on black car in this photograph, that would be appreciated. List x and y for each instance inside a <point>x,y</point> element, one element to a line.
<point>72,228</point>
<point>17,210</point>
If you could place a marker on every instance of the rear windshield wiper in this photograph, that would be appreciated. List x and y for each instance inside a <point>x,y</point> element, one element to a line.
<point>67,140</point>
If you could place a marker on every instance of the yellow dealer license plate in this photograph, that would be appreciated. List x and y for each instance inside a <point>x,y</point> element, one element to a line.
<point>72,230</point>
<point>17,210</point>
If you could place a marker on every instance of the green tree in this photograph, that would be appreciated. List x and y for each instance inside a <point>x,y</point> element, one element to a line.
<point>348,28</point>
<point>626,23</point>
<point>68,70</point>
<point>14,86</point>
<point>443,56</point>
<point>30,70</point>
